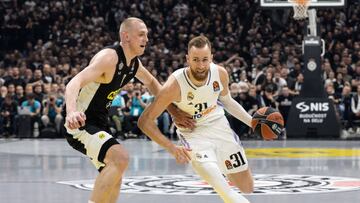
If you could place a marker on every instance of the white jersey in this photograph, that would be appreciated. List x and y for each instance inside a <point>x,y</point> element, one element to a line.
<point>200,102</point>
<point>212,140</point>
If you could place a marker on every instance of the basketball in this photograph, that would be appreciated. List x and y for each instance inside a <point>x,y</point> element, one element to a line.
<point>267,122</point>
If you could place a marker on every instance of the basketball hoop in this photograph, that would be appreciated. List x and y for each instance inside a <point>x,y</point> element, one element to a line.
<point>300,8</point>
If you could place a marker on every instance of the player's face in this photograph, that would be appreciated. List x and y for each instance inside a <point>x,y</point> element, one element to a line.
<point>138,37</point>
<point>199,60</point>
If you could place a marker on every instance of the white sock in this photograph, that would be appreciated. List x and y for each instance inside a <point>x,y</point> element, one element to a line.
<point>211,173</point>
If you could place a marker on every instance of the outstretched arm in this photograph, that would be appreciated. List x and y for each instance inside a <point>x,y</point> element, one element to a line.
<point>230,105</point>
<point>169,93</point>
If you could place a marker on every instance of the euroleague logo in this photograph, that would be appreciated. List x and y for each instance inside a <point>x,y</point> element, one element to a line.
<point>265,184</point>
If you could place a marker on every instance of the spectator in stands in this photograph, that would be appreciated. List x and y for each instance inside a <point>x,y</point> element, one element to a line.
<point>3,93</point>
<point>15,78</point>
<point>284,73</point>
<point>335,97</point>
<point>283,102</point>
<point>37,78</point>
<point>8,111</point>
<point>355,78</point>
<point>35,107</point>
<point>355,111</point>
<point>296,88</point>
<point>38,92</point>
<point>11,89</point>
<point>339,83</point>
<point>116,114</point>
<point>295,71</point>
<point>47,76</point>
<point>28,75</point>
<point>258,77</point>
<point>19,94</point>
<point>279,82</point>
<point>51,114</point>
<point>345,105</point>
<point>240,93</point>
<point>29,89</point>
<point>270,83</point>
<point>136,106</point>
<point>268,98</point>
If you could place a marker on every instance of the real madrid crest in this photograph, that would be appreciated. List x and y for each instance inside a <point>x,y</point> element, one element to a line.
<point>190,96</point>
<point>216,86</point>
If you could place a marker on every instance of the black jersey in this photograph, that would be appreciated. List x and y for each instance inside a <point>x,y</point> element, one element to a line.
<point>95,99</point>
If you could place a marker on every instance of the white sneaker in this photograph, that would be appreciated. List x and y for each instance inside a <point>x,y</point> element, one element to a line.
<point>357,130</point>
<point>344,134</point>
<point>351,130</point>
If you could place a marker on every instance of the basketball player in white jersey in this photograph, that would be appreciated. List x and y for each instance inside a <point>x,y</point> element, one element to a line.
<point>88,98</point>
<point>212,147</point>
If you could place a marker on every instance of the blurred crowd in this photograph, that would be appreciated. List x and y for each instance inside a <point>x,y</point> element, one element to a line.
<point>44,44</point>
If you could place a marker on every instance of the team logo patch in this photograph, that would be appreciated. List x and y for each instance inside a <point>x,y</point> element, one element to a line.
<point>228,164</point>
<point>190,96</point>
<point>101,135</point>
<point>216,86</point>
<point>265,184</point>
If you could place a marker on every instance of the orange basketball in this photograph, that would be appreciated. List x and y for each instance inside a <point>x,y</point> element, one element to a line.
<point>267,122</point>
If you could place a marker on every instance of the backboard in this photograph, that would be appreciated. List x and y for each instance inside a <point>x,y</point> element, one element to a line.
<point>313,3</point>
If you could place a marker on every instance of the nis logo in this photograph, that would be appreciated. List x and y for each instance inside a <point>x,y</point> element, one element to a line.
<point>312,106</point>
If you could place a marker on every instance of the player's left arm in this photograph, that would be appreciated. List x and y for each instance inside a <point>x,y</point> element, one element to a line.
<point>148,79</point>
<point>230,105</point>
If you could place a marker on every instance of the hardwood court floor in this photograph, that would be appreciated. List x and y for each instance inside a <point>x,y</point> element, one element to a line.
<point>49,171</point>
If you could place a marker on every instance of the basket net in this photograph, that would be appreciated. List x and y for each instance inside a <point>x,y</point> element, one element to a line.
<point>300,8</point>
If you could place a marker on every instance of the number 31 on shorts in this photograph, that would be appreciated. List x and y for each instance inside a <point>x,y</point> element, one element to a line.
<point>236,160</point>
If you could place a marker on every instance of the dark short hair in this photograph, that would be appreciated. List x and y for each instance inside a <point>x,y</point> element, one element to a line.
<point>199,42</point>
<point>30,96</point>
<point>268,88</point>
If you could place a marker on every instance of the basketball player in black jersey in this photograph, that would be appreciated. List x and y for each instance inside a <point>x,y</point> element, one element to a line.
<point>88,97</point>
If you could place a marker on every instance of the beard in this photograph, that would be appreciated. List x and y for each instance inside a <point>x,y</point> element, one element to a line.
<point>199,76</point>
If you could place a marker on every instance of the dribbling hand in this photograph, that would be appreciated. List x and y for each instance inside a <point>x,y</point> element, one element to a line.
<point>75,120</point>
<point>181,154</point>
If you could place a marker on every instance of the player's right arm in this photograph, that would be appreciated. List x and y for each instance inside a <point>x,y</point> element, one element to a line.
<point>100,69</point>
<point>180,118</point>
<point>169,93</point>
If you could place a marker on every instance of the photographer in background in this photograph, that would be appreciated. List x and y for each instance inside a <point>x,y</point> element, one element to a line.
<point>136,106</point>
<point>52,113</point>
<point>116,114</point>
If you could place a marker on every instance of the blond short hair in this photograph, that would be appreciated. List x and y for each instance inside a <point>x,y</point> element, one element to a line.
<point>126,24</point>
<point>199,42</point>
